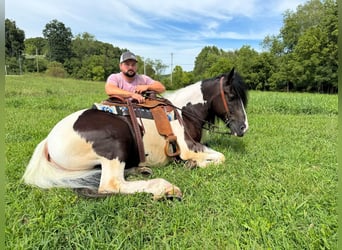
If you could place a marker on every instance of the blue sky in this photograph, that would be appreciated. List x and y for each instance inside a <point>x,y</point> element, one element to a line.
<point>156,28</point>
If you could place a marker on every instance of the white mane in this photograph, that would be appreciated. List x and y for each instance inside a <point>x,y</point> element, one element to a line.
<point>191,93</point>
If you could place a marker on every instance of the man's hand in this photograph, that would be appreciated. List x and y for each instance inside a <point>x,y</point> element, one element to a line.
<point>141,88</point>
<point>138,97</point>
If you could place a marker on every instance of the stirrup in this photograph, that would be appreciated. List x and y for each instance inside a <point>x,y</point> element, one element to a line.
<point>171,147</point>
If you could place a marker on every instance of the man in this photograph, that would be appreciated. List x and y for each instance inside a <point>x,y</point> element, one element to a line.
<point>128,83</point>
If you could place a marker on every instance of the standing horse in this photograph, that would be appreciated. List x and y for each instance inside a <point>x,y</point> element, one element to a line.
<point>90,149</point>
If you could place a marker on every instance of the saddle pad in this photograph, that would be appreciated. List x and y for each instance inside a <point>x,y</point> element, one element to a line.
<point>122,110</point>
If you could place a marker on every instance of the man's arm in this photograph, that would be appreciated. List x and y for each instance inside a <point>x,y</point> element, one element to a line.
<point>112,90</point>
<point>156,86</point>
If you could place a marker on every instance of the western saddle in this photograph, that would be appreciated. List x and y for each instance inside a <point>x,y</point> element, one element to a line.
<point>156,108</point>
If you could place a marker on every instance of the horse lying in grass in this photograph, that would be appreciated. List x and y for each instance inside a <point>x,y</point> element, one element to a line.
<point>89,150</point>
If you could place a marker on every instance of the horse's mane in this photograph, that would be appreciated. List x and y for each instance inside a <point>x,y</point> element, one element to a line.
<point>238,85</point>
<point>241,88</point>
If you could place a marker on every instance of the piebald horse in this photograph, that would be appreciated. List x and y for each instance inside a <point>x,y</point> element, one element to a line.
<point>90,149</point>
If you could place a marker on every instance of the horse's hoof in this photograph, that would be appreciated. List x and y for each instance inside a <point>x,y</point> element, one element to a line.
<point>90,193</point>
<point>190,164</point>
<point>173,193</point>
<point>145,171</point>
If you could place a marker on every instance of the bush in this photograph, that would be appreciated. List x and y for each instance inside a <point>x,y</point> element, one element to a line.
<point>56,69</point>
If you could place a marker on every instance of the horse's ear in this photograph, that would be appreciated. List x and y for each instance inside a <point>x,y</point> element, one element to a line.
<point>231,76</point>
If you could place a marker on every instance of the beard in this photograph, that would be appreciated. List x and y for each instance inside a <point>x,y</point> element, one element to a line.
<point>129,73</point>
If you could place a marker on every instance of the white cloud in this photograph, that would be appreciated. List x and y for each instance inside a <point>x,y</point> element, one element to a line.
<point>155,28</point>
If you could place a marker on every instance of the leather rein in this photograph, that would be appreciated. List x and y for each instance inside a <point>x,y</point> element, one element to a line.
<point>225,103</point>
<point>211,126</point>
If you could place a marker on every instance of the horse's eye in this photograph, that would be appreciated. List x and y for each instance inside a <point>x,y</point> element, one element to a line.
<point>231,97</point>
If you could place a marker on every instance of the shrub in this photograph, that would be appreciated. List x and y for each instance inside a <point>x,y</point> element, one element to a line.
<point>56,69</point>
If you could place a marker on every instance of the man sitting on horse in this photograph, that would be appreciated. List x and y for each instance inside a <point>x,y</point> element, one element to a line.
<point>128,83</point>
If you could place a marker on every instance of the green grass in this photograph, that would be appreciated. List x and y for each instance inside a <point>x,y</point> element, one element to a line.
<point>276,190</point>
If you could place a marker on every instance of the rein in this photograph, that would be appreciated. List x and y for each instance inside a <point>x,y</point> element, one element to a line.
<point>225,104</point>
<point>210,126</point>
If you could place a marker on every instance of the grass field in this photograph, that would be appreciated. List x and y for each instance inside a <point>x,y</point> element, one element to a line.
<point>276,190</point>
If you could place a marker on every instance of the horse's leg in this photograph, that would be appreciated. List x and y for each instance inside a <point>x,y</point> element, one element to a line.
<point>197,154</point>
<point>112,181</point>
<point>140,170</point>
<point>202,159</point>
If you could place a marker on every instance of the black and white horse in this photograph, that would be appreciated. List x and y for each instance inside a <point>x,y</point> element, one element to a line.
<point>90,149</point>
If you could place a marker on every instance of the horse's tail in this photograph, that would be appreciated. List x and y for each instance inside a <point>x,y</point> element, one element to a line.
<point>44,173</point>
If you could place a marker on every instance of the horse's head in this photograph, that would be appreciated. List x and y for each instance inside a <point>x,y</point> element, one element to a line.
<point>229,102</point>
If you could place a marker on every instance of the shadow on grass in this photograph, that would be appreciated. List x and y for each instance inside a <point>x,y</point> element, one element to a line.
<point>231,143</point>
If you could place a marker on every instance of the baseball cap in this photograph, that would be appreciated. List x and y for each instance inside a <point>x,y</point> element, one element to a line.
<point>127,56</point>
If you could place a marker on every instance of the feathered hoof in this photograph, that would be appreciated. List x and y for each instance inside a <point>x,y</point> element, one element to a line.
<point>172,193</point>
<point>190,164</point>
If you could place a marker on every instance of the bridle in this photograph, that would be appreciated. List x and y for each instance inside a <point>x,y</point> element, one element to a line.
<point>225,103</point>
<point>211,126</point>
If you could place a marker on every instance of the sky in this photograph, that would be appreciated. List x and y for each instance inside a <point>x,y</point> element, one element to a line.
<point>173,31</point>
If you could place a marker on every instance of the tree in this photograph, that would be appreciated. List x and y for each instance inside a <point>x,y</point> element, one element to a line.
<point>14,39</point>
<point>177,77</point>
<point>35,51</point>
<point>37,45</point>
<point>305,51</point>
<point>207,57</point>
<point>247,64</point>
<point>152,68</point>
<point>84,45</point>
<point>221,64</point>
<point>296,23</point>
<point>59,40</point>
<point>159,68</point>
<point>15,46</point>
<point>92,59</point>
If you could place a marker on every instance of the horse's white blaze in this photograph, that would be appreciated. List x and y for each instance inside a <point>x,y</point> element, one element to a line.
<point>190,94</point>
<point>246,119</point>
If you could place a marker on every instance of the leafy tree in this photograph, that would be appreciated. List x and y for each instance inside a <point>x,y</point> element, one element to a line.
<point>37,45</point>
<point>152,68</point>
<point>246,62</point>
<point>177,77</point>
<point>207,57</point>
<point>14,48</point>
<point>36,64</point>
<point>35,51</point>
<point>145,66</point>
<point>296,23</point>
<point>329,47</point>
<point>83,45</point>
<point>263,68</point>
<point>86,51</point>
<point>159,68</point>
<point>59,40</point>
<point>305,51</point>
<point>111,57</point>
<point>14,39</point>
<point>221,64</point>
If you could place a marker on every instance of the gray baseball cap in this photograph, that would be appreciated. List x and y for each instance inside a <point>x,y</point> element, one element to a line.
<point>127,56</point>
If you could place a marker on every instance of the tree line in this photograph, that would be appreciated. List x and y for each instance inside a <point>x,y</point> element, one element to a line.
<point>302,57</point>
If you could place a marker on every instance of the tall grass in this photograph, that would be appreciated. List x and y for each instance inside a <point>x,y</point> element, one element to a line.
<point>276,190</point>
